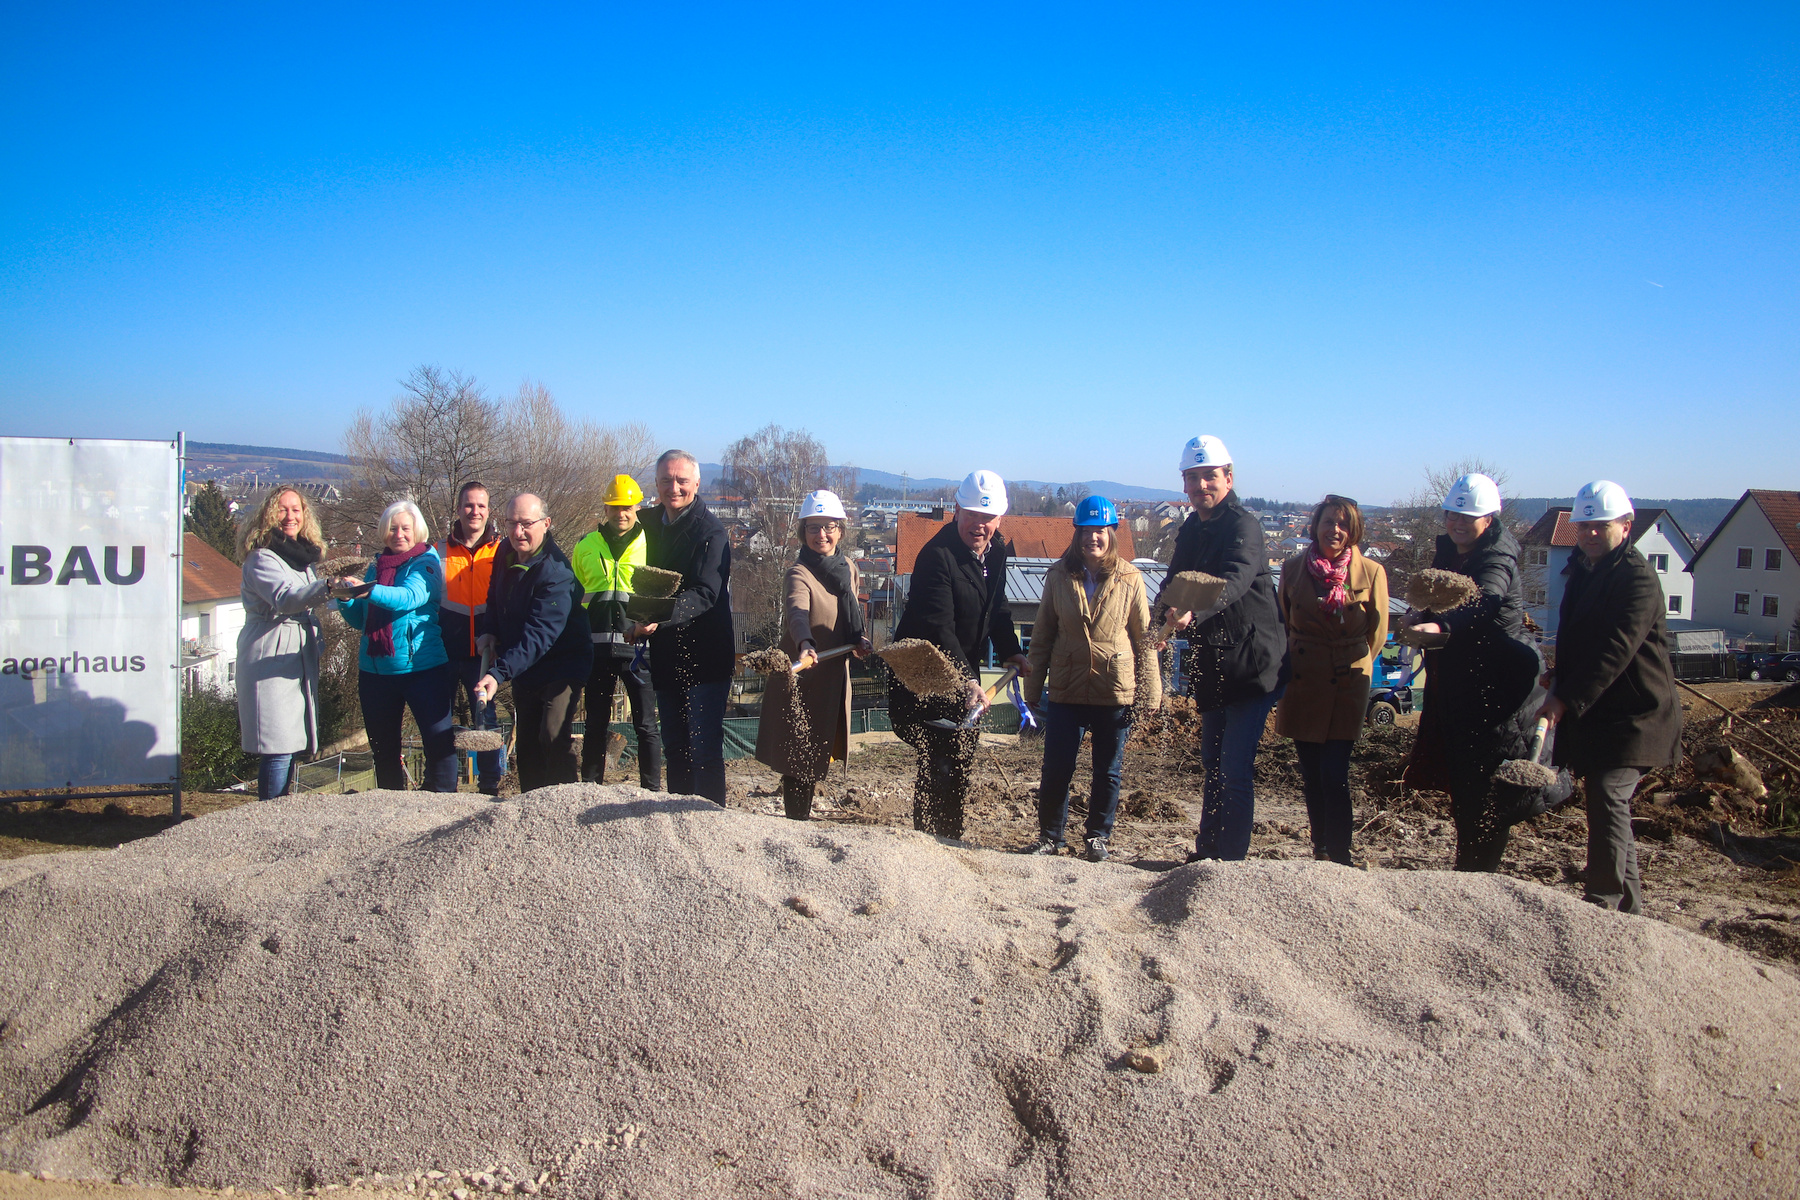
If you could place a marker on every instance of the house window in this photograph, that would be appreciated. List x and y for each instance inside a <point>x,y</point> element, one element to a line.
<point>1771,560</point>
<point>1537,597</point>
<point>1740,603</point>
<point>1538,557</point>
<point>1771,606</point>
<point>1660,562</point>
<point>231,671</point>
<point>1674,604</point>
<point>1746,558</point>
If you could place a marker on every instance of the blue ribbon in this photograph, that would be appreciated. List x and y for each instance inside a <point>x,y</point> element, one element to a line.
<point>637,657</point>
<point>1026,719</point>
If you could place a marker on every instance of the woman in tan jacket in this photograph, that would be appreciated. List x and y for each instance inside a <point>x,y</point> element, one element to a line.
<point>1090,648</point>
<point>1334,603</point>
<point>823,612</point>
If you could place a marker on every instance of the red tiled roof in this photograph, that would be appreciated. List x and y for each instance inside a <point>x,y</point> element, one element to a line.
<point>1562,530</point>
<point>1031,537</point>
<point>207,575</point>
<point>1783,511</point>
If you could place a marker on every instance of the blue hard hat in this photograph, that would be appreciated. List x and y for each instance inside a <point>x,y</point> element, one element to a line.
<point>1095,510</point>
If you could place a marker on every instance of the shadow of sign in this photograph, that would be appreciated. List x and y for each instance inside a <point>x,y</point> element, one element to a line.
<point>52,730</point>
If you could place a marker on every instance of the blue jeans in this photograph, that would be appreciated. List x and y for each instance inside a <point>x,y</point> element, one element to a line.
<point>693,734</point>
<point>1063,726</point>
<point>1325,778</point>
<point>490,765</point>
<point>427,693</point>
<point>272,775</point>
<point>1228,741</point>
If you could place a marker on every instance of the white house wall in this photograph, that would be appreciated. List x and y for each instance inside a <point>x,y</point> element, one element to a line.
<point>1718,580</point>
<point>226,621</point>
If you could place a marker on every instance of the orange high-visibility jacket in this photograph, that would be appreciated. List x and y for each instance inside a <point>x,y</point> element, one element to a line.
<point>466,575</point>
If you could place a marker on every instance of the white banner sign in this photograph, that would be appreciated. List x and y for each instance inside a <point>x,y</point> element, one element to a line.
<point>90,606</point>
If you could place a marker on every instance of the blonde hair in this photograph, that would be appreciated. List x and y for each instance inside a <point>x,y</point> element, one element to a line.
<point>265,526</point>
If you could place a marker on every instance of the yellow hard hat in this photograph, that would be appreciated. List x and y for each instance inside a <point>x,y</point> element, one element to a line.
<point>624,490</point>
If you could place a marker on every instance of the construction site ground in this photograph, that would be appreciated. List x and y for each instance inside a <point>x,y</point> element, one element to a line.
<point>1715,860</point>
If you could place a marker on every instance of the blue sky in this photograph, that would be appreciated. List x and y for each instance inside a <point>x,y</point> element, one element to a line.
<point>1057,242</point>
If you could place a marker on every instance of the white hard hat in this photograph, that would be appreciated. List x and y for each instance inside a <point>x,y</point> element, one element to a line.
<point>983,491</point>
<point>1473,495</point>
<point>1205,451</point>
<point>822,504</point>
<point>1601,500</point>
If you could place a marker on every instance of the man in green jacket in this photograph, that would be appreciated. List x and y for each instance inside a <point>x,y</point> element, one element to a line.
<point>604,561</point>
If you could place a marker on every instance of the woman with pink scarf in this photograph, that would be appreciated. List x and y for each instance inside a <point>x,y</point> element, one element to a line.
<point>1335,605</point>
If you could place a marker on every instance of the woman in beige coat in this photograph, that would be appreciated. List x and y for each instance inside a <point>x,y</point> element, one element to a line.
<point>1334,603</point>
<point>823,612</point>
<point>1090,649</point>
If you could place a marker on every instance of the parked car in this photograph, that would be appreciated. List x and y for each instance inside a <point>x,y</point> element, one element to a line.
<point>1776,666</point>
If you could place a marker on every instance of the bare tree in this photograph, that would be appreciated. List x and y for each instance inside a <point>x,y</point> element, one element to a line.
<point>1420,517</point>
<point>440,431</point>
<point>772,469</point>
<point>569,463</point>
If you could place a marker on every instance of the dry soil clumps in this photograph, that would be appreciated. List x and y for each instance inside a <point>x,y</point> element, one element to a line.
<point>313,991</point>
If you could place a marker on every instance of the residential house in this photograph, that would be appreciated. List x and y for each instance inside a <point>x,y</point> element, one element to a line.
<point>1745,578</point>
<point>1547,547</point>
<point>212,613</point>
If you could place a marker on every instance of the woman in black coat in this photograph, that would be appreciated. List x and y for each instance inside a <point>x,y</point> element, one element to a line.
<point>1481,684</point>
<point>1613,698</point>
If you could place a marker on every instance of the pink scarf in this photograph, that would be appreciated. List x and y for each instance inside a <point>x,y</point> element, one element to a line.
<point>380,622</point>
<point>1332,572</point>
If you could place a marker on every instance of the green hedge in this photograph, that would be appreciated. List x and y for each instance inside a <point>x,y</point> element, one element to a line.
<point>212,756</point>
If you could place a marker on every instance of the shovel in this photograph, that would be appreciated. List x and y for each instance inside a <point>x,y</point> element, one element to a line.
<point>1529,772</point>
<point>974,715</point>
<point>838,652</point>
<point>479,739</point>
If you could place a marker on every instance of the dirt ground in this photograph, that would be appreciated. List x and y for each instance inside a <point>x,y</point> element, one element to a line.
<point>1714,860</point>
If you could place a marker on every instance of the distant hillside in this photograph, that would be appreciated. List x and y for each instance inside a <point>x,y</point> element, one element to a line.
<point>216,459</point>
<point>1111,489</point>
<point>1697,518</point>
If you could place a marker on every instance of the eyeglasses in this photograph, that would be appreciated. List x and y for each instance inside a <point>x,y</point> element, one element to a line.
<point>1334,499</point>
<point>523,524</point>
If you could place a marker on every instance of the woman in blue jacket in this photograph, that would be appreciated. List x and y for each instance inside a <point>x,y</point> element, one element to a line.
<point>402,660</point>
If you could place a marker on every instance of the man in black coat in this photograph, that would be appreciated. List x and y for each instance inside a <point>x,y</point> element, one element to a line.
<point>1613,697</point>
<point>535,625</point>
<point>692,651</point>
<point>957,602</point>
<point>1236,649</point>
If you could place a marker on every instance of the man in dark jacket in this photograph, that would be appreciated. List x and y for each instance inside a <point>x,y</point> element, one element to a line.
<point>692,652</point>
<point>539,634</point>
<point>957,602</point>
<point>1613,699</point>
<point>1236,648</point>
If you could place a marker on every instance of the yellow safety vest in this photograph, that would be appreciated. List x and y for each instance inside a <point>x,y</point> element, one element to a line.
<point>604,578</point>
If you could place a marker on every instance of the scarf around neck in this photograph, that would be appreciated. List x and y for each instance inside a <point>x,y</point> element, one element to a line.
<point>1331,572</point>
<point>380,623</point>
<point>834,572</point>
<point>294,552</point>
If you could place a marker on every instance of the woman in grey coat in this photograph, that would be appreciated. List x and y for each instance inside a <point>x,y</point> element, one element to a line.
<point>278,650</point>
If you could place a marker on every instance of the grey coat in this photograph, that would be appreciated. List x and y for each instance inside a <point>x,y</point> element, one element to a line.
<point>278,657</point>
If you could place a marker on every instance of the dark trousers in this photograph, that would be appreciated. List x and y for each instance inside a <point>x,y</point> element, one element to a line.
<point>490,765</point>
<point>797,797</point>
<point>1229,738</point>
<point>544,727</point>
<point>1612,864</point>
<point>275,775</point>
<point>608,671</point>
<point>946,765</point>
<point>1482,829</point>
<point>693,730</point>
<point>1325,778</point>
<point>384,699</point>
<point>1064,725</point>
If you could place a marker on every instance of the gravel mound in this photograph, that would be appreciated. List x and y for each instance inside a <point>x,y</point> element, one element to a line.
<point>594,991</point>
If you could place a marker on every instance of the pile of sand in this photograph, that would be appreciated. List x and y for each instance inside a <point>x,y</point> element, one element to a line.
<point>614,993</point>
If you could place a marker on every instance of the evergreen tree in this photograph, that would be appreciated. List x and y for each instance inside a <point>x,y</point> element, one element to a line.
<point>210,516</point>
